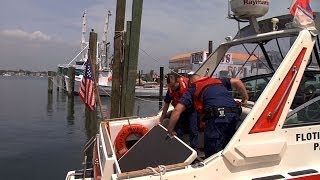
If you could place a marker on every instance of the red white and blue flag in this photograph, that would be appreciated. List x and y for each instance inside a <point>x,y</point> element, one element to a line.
<point>86,91</point>
<point>302,12</point>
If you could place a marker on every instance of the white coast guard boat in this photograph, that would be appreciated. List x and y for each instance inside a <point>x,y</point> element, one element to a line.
<point>279,137</point>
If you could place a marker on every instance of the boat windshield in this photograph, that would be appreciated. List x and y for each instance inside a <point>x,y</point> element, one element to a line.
<point>254,61</point>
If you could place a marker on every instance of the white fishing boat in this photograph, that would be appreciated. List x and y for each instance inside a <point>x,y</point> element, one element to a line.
<point>278,138</point>
<point>79,59</point>
<point>104,71</point>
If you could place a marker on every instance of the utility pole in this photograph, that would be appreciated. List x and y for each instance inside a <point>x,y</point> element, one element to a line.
<point>118,49</point>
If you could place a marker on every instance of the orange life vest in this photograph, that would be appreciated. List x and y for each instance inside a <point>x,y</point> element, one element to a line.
<point>183,87</point>
<point>201,85</point>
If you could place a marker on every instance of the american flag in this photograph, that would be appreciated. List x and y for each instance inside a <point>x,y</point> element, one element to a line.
<point>86,91</point>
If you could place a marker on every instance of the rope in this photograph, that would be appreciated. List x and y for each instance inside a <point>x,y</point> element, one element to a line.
<point>162,171</point>
<point>158,62</point>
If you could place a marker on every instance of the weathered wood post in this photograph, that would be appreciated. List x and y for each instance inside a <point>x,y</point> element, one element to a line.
<point>161,88</point>
<point>50,81</point>
<point>210,47</point>
<point>118,49</point>
<point>139,78</point>
<point>123,104</point>
<point>133,55</point>
<point>58,79</point>
<point>91,116</point>
<point>71,75</point>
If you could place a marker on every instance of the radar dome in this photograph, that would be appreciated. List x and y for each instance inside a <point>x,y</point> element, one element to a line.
<point>246,9</point>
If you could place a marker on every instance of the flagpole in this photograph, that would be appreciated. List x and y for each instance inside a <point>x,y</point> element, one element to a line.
<point>98,95</point>
<point>96,86</point>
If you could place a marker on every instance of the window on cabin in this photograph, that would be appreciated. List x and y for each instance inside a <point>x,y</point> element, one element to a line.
<point>306,114</point>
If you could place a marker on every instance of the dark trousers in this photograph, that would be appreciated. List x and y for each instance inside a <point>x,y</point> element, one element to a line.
<point>188,122</point>
<point>218,132</point>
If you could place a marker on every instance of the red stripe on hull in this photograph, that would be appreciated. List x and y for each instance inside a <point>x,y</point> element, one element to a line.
<point>311,177</point>
<point>266,123</point>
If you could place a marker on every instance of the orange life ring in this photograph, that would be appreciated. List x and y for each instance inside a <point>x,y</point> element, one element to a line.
<point>124,133</point>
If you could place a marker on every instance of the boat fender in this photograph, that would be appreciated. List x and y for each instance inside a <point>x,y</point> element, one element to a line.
<point>124,133</point>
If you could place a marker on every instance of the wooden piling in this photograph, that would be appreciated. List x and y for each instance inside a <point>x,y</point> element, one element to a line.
<point>58,79</point>
<point>50,81</point>
<point>71,75</point>
<point>161,88</point>
<point>123,104</point>
<point>118,51</point>
<point>91,116</point>
<point>139,78</point>
<point>210,47</point>
<point>133,54</point>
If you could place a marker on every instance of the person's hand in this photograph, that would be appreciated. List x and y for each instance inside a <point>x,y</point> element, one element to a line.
<point>244,102</point>
<point>171,133</point>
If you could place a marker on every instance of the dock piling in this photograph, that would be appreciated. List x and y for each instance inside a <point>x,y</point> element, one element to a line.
<point>161,88</point>
<point>50,81</point>
<point>71,75</point>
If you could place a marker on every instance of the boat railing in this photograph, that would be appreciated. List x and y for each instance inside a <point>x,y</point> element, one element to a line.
<point>87,146</point>
<point>78,54</point>
<point>158,171</point>
<point>108,144</point>
<point>122,118</point>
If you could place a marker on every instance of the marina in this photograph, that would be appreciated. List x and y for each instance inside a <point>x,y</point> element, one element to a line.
<point>282,103</point>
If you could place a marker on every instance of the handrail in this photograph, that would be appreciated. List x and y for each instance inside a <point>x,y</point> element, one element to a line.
<point>122,118</point>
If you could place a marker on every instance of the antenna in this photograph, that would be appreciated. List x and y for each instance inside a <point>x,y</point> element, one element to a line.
<point>84,28</point>
<point>105,40</point>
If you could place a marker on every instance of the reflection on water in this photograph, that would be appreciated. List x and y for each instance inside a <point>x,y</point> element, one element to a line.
<point>49,104</point>
<point>46,132</point>
<point>70,115</point>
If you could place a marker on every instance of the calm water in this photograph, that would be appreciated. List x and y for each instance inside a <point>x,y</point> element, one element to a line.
<point>43,136</point>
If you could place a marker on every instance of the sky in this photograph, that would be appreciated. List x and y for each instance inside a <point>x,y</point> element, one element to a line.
<point>37,35</point>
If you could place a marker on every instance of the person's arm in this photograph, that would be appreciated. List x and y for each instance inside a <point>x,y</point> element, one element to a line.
<point>241,88</point>
<point>175,115</point>
<point>164,112</point>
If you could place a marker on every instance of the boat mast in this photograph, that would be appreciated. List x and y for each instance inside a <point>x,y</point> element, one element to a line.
<point>105,40</point>
<point>83,39</point>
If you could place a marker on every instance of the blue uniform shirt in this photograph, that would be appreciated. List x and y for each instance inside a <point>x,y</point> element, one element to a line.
<point>213,96</point>
<point>167,98</point>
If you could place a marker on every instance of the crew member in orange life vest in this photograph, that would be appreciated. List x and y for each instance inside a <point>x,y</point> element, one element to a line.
<point>212,99</point>
<point>188,120</point>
